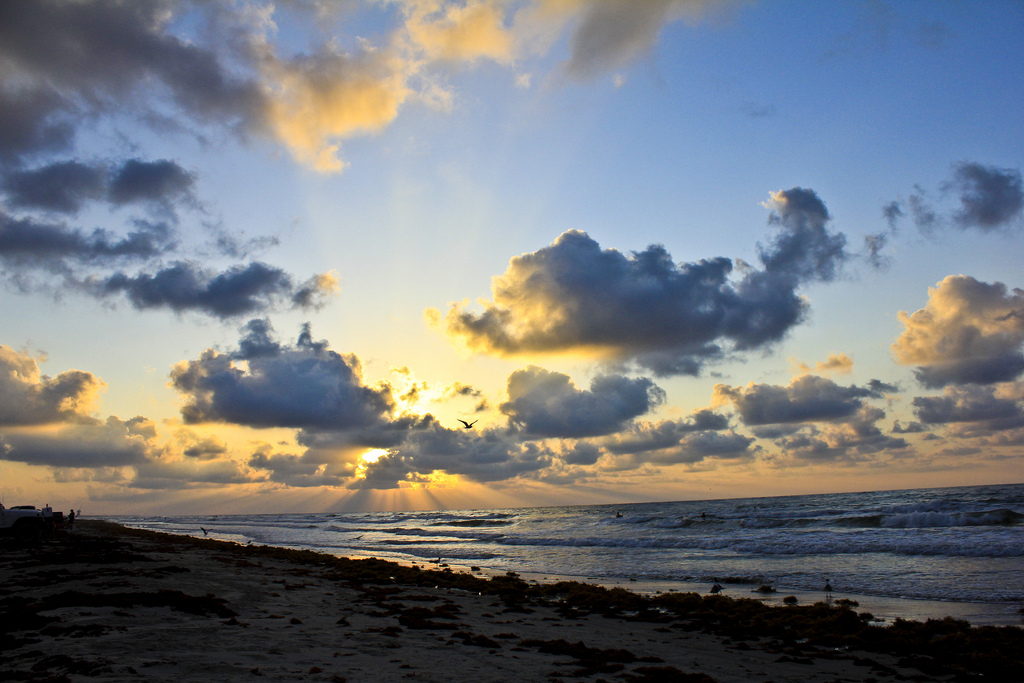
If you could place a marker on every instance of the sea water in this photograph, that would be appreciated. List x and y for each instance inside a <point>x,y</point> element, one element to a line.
<point>955,545</point>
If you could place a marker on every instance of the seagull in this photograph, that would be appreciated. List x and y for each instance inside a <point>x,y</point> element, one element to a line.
<point>469,425</point>
<point>205,532</point>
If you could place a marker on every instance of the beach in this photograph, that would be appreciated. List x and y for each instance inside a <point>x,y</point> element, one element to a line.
<point>106,603</point>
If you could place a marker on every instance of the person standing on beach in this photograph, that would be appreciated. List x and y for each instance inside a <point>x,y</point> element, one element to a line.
<point>71,519</point>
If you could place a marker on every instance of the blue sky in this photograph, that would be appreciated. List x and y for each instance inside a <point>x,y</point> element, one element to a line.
<point>261,257</point>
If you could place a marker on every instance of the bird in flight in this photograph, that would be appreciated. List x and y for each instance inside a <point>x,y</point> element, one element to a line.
<point>469,425</point>
<point>205,531</point>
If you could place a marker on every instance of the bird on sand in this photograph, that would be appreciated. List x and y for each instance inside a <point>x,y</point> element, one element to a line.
<point>469,425</point>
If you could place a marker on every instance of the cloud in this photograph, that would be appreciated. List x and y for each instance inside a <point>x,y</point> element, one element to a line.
<point>642,437</point>
<point>201,447</point>
<point>808,398</point>
<point>66,186</point>
<point>460,32</point>
<point>968,332</point>
<point>543,403</point>
<point>804,248</point>
<point>301,470</point>
<point>26,242</point>
<point>160,182</point>
<point>480,456</point>
<point>574,296</point>
<point>174,475</point>
<point>218,65</point>
<point>306,386</point>
<point>978,404</point>
<point>32,121</point>
<point>28,397</point>
<point>855,439</point>
<point>112,443</point>
<point>321,98</point>
<point>237,291</point>
<point>702,435</point>
<point>909,428</point>
<point>989,197</point>
<point>612,33</point>
<point>63,186</point>
<point>838,363</point>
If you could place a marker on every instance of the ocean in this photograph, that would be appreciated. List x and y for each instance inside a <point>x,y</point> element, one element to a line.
<point>960,548</point>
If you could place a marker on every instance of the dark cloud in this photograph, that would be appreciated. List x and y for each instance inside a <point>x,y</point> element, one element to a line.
<point>66,186</point>
<point>201,447</point>
<point>186,287</point>
<point>112,443</point>
<point>671,443</point>
<point>611,34</point>
<point>159,474</point>
<point>479,456</point>
<point>925,217</point>
<point>989,197</point>
<point>808,398</point>
<point>258,340</point>
<point>159,182</point>
<point>25,242</point>
<point>804,248</point>
<point>855,439</point>
<point>699,446</point>
<point>306,385</point>
<point>301,470</point>
<point>651,436</point>
<point>910,428</point>
<point>28,397</point>
<point>62,187</point>
<point>543,403</point>
<point>314,292</point>
<point>879,387</point>
<point>970,404</point>
<point>972,371</point>
<point>969,332</point>
<point>873,248</point>
<point>581,453</point>
<point>32,120</point>
<point>892,213</point>
<point>644,308</point>
<point>96,55</point>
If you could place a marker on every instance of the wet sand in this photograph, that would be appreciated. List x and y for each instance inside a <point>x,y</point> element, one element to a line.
<point>104,603</point>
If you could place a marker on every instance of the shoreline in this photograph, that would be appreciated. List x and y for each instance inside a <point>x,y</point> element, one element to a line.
<point>886,609</point>
<point>110,603</point>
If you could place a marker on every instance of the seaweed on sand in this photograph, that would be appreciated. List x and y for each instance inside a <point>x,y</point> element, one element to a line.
<point>949,646</point>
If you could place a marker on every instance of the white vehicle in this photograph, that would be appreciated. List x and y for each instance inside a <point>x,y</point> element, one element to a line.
<point>23,522</point>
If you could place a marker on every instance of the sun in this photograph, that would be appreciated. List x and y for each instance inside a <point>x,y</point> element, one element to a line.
<point>369,457</point>
<point>372,455</point>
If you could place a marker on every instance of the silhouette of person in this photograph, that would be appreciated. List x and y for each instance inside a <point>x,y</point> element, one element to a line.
<point>828,591</point>
<point>71,519</point>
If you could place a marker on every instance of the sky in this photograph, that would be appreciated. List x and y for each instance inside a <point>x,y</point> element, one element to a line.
<point>274,257</point>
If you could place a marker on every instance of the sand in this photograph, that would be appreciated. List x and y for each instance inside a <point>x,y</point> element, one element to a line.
<point>102,603</point>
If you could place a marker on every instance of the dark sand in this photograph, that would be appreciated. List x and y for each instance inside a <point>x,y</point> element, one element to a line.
<point>104,603</point>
